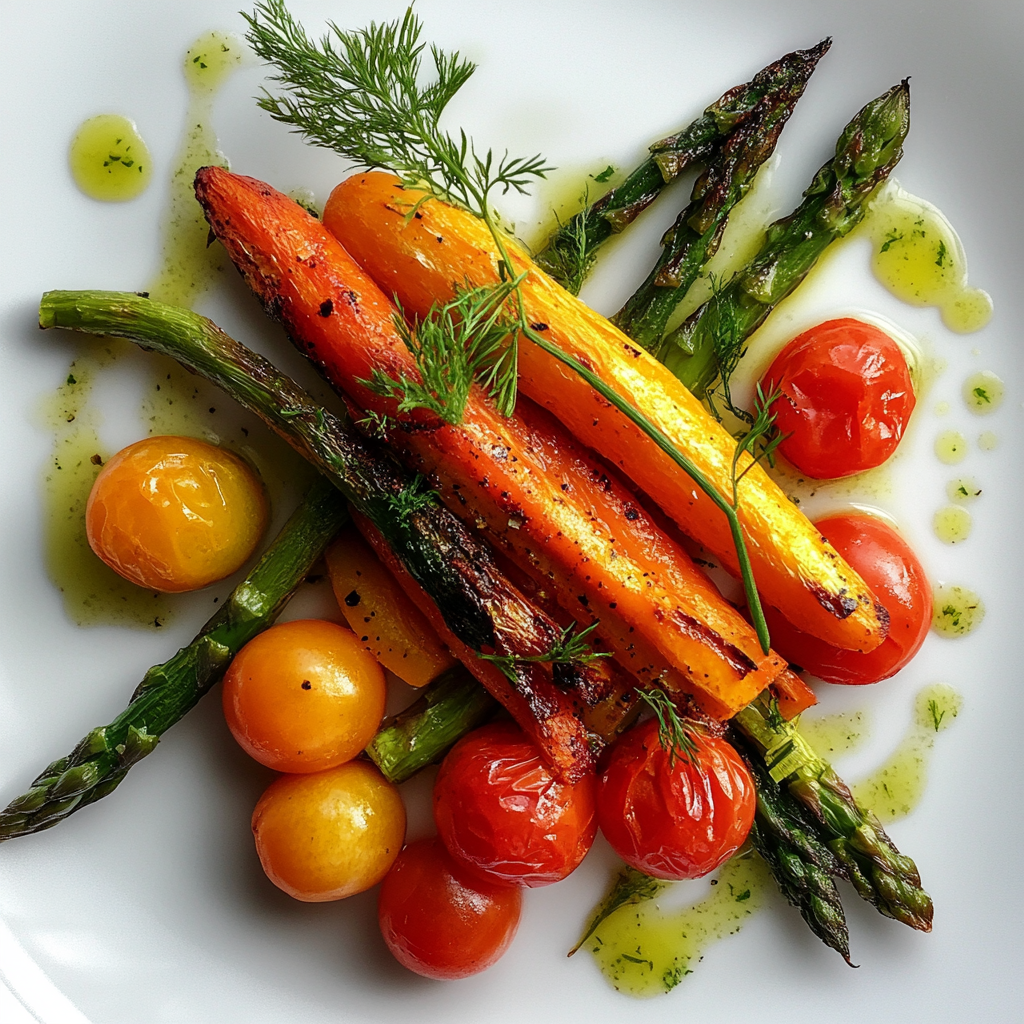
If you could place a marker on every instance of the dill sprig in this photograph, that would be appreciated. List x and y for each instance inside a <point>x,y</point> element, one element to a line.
<point>571,261</point>
<point>674,734</point>
<point>471,338</point>
<point>360,93</point>
<point>412,498</point>
<point>570,648</point>
<point>759,442</point>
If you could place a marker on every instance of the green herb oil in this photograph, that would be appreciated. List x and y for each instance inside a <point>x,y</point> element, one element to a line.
<point>920,259</point>
<point>952,524</point>
<point>983,392</point>
<point>896,788</point>
<point>956,610</point>
<point>951,447</point>
<point>108,159</point>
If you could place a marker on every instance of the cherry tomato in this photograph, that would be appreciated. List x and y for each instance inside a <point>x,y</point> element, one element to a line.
<point>676,818</point>
<point>440,920</point>
<point>500,812</point>
<point>846,398</point>
<point>175,514</point>
<point>304,696</point>
<point>328,835</point>
<point>890,568</point>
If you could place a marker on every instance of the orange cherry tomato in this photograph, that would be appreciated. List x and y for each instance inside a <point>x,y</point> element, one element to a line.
<point>501,813</point>
<point>846,398</point>
<point>441,921</point>
<point>175,513</point>
<point>303,696</point>
<point>676,818</point>
<point>330,834</point>
<point>890,568</point>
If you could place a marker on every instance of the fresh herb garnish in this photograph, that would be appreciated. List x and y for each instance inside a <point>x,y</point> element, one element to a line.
<point>570,648</point>
<point>675,735</point>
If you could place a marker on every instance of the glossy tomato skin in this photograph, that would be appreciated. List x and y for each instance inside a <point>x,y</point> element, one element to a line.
<point>328,835</point>
<point>440,920</point>
<point>175,513</point>
<point>674,819</point>
<point>897,579</point>
<point>500,813</point>
<point>846,398</point>
<point>303,696</point>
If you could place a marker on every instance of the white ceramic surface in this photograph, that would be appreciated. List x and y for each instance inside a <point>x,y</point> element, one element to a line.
<point>150,906</point>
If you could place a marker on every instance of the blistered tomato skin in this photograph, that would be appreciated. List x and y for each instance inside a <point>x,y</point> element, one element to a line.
<point>846,398</point>
<point>441,921</point>
<point>303,696</point>
<point>674,820</point>
<point>500,813</point>
<point>890,568</point>
<point>175,514</point>
<point>331,834</point>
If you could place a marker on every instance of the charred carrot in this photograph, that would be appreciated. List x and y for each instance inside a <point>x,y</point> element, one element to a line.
<point>423,258</point>
<point>551,505</point>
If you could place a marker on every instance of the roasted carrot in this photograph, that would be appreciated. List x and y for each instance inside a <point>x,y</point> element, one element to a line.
<point>391,627</point>
<point>423,258</point>
<point>793,694</point>
<point>552,505</point>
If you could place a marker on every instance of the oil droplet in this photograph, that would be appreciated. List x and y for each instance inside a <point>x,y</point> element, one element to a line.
<point>983,392</point>
<point>957,610</point>
<point>108,159</point>
<point>951,447</point>
<point>896,788</point>
<point>920,259</point>
<point>941,408</point>
<point>963,489</point>
<point>988,441</point>
<point>646,951</point>
<point>952,524</point>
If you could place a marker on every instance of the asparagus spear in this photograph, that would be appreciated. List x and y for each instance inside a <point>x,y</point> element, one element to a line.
<point>730,171</point>
<point>448,708</point>
<point>169,691</point>
<point>879,872</point>
<point>710,342</point>
<point>802,865</point>
<point>570,252</point>
<point>479,606</point>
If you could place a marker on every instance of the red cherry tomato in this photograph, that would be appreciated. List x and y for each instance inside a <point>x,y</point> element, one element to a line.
<point>846,398</point>
<point>439,920</point>
<point>676,818</point>
<point>889,567</point>
<point>500,812</point>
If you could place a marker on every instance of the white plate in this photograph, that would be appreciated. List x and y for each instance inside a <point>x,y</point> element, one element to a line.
<point>150,906</point>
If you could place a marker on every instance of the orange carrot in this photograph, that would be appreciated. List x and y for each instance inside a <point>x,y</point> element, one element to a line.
<point>392,628</point>
<point>424,258</point>
<point>551,504</point>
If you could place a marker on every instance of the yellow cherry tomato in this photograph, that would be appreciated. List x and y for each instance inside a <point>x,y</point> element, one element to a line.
<point>175,513</point>
<point>331,834</point>
<point>304,696</point>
